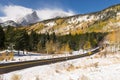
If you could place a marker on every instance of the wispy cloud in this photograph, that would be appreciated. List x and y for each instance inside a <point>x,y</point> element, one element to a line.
<point>48,13</point>
<point>14,12</point>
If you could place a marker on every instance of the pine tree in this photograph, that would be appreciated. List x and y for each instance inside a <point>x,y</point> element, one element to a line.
<point>9,36</point>
<point>21,40</point>
<point>53,36</point>
<point>33,41</point>
<point>2,38</point>
<point>47,37</point>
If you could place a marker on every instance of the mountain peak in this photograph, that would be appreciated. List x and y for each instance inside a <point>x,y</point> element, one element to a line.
<point>28,19</point>
<point>101,21</point>
<point>34,13</point>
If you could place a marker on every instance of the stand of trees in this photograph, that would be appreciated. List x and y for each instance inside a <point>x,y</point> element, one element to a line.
<point>46,43</point>
<point>2,38</point>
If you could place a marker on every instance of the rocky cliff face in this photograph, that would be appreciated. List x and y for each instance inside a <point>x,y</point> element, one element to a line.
<point>28,19</point>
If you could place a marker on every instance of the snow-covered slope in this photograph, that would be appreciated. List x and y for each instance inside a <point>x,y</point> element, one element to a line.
<point>1,21</point>
<point>9,23</point>
<point>87,68</point>
<point>97,22</point>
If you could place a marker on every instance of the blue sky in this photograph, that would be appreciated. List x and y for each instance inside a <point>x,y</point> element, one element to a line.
<point>77,6</point>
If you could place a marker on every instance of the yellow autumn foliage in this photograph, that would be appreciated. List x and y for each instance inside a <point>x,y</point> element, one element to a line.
<point>59,21</point>
<point>87,45</point>
<point>66,48</point>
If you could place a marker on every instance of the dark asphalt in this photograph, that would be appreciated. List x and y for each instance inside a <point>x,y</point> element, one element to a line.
<point>9,67</point>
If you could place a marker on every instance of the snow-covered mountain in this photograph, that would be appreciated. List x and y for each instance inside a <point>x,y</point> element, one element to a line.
<point>101,21</point>
<point>60,24</point>
<point>28,19</point>
<point>9,23</point>
<point>23,20</point>
<point>32,17</point>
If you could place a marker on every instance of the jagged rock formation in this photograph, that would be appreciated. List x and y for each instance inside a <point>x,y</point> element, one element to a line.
<point>28,19</point>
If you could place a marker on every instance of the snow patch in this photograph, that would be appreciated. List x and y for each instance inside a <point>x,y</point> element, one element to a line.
<point>50,24</point>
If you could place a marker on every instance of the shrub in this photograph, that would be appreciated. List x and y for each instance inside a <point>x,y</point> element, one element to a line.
<point>2,56</point>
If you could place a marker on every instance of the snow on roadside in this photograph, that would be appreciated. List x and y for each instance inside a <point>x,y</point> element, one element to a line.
<point>87,68</point>
<point>36,56</point>
<point>29,56</point>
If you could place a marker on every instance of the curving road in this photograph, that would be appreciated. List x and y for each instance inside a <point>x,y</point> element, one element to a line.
<point>9,67</point>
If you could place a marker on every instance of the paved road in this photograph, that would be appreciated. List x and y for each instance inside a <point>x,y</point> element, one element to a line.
<point>9,67</point>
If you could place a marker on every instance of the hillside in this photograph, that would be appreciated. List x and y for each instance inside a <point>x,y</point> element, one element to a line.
<point>101,21</point>
<point>66,34</point>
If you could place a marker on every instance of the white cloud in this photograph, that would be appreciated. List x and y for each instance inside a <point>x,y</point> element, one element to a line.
<point>14,12</point>
<point>48,13</point>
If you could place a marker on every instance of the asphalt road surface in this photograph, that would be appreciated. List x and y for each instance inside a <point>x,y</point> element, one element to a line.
<point>9,67</point>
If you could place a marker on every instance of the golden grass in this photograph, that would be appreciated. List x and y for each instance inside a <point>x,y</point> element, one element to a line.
<point>83,77</point>
<point>71,68</point>
<point>16,77</point>
<point>5,56</point>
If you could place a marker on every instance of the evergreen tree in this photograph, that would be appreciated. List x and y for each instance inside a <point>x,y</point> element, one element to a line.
<point>9,36</point>
<point>47,37</point>
<point>21,40</point>
<point>43,40</point>
<point>53,37</point>
<point>2,38</point>
<point>33,41</point>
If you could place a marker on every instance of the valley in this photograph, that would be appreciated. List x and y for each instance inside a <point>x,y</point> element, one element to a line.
<point>74,47</point>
